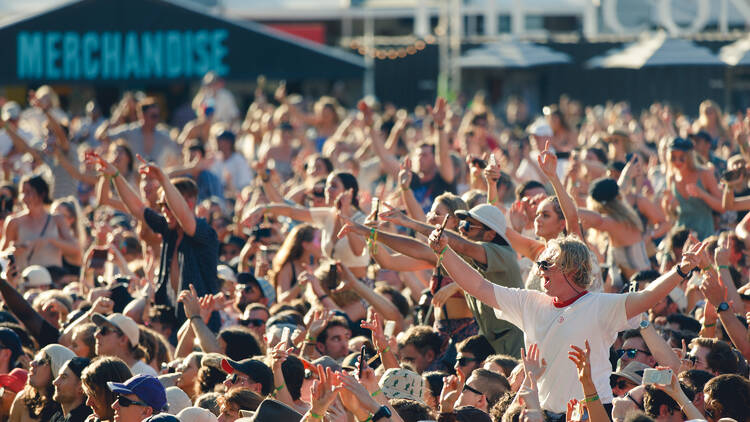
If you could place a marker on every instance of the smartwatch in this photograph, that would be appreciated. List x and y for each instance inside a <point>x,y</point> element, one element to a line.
<point>644,324</point>
<point>723,306</point>
<point>383,412</point>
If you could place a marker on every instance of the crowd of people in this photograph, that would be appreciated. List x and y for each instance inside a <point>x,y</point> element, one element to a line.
<point>461,261</point>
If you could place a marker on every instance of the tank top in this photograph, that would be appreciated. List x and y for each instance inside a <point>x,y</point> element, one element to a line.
<point>43,253</point>
<point>694,214</point>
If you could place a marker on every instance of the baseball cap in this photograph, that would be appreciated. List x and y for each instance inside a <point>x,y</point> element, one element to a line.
<point>121,322</point>
<point>11,111</point>
<point>255,369</point>
<point>36,276</point>
<point>487,214</point>
<point>146,387</point>
<point>681,144</point>
<point>226,273</point>
<point>270,410</point>
<point>226,135</point>
<point>78,364</point>
<point>15,380</point>
<point>10,340</point>
<point>196,414</point>
<point>176,400</point>
<point>162,417</point>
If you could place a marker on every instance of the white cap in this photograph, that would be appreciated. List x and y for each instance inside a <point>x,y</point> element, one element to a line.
<point>36,276</point>
<point>11,110</point>
<point>489,215</point>
<point>177,400</point>
<point>58,356</point>
<point>226,273</point>
<point>540,128</point>
<point>196,414</point>
<point>122,322</point>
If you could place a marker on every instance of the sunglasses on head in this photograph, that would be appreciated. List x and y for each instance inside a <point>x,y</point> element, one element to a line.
<point>252,322</point>
<point>630,353</point>
<point>126,402</point>
<point>467,387</point>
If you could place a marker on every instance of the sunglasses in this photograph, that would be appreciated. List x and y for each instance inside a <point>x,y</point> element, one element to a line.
<point>465,360</point>
<point>104,330</point>
<point>234,378</point>
<point>126,402</point>
<point>619,383</point>
<point>637,403</point>
<point>41,361</point>
<point>467,225</point>
<point>631,353</point>
<point>545,265</point>
<point>467,387</point>
<point>252,322</point>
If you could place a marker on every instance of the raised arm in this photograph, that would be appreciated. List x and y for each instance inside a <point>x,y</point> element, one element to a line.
<point>715,292</point>
<point>104,195</point>
<point>548,163</point>
<point>19,143</point>
<point>638,302</point>
<point>413,209</point>
<point>72,170</point>
<point>442,149</point>
<point>381,304</point>
<point>402,244</point>
<point>178,206</point>
<point>710,194</point>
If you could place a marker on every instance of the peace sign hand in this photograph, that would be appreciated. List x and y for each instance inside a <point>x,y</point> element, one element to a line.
<point>548,162</point>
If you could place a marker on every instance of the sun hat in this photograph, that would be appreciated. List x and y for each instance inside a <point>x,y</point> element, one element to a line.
<point>489,215</point>
<point>36,276</point>
<point>270,410</point>
<point>633,371</point>
<point>58,356</point>
<point>225,273</point>
<point>146,387</point>
<point>176,400</point>
<point>398,383</point>
<point>604,190</point>
<point>121,322</point>
<point>196,414</point>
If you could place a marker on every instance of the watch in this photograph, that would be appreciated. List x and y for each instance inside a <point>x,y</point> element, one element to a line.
<point>383,412</point>
<point>644,324</point>
<point>723,306</point>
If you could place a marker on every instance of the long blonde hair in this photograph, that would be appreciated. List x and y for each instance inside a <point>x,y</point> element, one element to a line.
<point>291,250</point>
<point>573,258</point>
<point>618,210</point>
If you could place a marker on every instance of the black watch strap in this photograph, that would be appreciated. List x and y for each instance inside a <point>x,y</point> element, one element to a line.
<point>681,274</point>
<point>383,412</point>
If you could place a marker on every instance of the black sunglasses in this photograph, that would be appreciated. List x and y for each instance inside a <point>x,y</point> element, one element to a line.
<point>465,360</point>
<point>467,387</point>
<point>104,330</point>
<point>631,353</point>
<point>637,403</point>
<point>618,383</point>
<point>466,225</point>
<point>544,265</point>
<point>126,402</point>
<point>252,322</point>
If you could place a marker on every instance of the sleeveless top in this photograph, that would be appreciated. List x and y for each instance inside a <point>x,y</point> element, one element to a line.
<point>44,253</point>
<point>694,214</point>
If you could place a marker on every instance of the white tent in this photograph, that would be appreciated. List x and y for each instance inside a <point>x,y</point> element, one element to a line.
<point>736,53</point>
<point>656,50</point>
<point>511,54</point>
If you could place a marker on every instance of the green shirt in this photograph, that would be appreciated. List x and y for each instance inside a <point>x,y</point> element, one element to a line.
<point>501,269</point>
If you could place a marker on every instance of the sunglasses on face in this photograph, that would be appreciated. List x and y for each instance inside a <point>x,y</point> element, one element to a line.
<point>465,360</point>
<point>104,330</point>
<point>467,225</point>
<point>637,403</point>
<point>234,378</point>
<point>126,402</point>
<point>467,387</point>
<point>41,361</point>
<point>631,353</point>
<point>545,265</point>
<point>252,322</point>
<point>619,383</point>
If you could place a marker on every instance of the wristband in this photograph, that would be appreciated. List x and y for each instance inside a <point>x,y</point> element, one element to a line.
<point>591,399</point>
<point>709,325</point>
<point>723,267</point>
<point>440,256</point>
<point>276,390</point>
<point>311,339</point>
<point>387,348</point>
<point>369,418</point>
<point>491,201</point>
<point>315,415</point>
<point>376,392</point>
<point>114,176</point>
<point>681,274</point>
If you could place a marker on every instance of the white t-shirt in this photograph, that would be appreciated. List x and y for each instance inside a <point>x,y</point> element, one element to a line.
<point>324,218</point>
<point>596,317</point>
<point>141,368</point>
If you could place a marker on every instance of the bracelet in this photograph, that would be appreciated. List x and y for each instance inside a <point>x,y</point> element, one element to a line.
<point>372,241</point>
<point>369,418</point>
<point>681,274</point>
<point>114,176</point>
<point>376,392</point>
<point>591,399</point>
<point>440,257</point>
<point>492,201</point>
<point>315,415</point>
<point>723,267</point>
<point>387,348</point>
<point>709,325</point>
<point>276,390</point>
<point>311,339</point>
<point>403,188</point>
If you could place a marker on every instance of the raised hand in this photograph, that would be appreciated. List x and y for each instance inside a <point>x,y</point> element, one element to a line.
<point>354,395</point>
<point>318,322</point>
<point>439,112</point>
<point>713,289</point>
<point>103,166</point>
<point>517,216</point>
<point>190,302</point>
<point>531,362</point>
<point>445,293</point>
<point>323,391</point>
<point>437,241</point>
<point>150,169</point>
<point>374,323</point>
<point>695,256</point>
<point>529,393</point>
<point>393,215</point>
<point>344,200</point>
<point>103,305</point>
<point>722,251</point>
<point>492,171</point>
<point>548,162</point>
<point>582,359</point>
<point>405,174</point>
<point>279,355</point>
<point>453,385</point>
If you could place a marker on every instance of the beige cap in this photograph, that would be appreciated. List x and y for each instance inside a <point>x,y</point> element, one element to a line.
<point>36,276</point>
<point>122,322</point>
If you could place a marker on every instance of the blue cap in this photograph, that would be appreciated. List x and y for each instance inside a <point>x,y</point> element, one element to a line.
<point>146,387</point>
<point>10,340</point>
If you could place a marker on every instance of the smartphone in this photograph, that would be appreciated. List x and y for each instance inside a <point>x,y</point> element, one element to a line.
<point>479,163</point>
<point>12,258</point>
<point>493,161</point>
<point>98,258</point>
<point>657,376</point>
<point>732,175</point>
<point>333,275</point>
<point>362,361</point>
<point>376,205</point>
<point>262,233</point>
<point>390,327</point>
<point>445,223</point>
<point>285,334</point>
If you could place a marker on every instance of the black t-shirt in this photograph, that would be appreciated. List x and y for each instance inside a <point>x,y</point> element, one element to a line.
<point>79,414</point>
<point>426,191</point>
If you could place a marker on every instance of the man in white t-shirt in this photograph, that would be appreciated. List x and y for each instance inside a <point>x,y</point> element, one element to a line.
<point>567,314</point>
